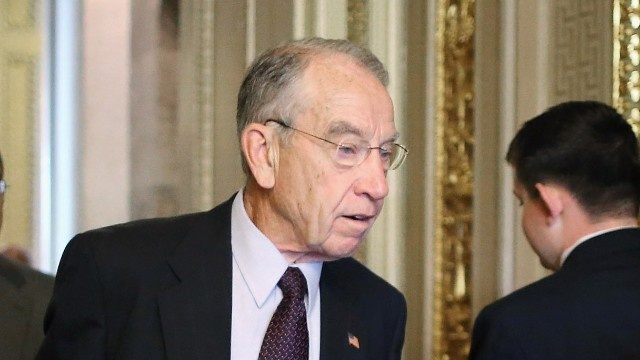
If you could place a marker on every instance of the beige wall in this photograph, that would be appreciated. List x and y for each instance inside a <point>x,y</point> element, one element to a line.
<point>105,126</point>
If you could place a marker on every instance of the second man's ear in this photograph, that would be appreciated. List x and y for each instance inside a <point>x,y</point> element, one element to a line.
<point>260,147</point>
<point>552,200</point>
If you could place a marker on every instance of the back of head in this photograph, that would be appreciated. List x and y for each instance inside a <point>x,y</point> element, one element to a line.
<point>586,147</point>
<point>271,84</point>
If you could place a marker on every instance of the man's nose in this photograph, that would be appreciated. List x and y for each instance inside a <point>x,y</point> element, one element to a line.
<point>374,178</point>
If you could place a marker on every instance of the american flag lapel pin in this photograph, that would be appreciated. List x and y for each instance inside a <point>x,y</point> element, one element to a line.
<point>353,340</point>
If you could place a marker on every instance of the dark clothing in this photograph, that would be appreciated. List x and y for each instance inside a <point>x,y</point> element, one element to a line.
<point>161,289</point>
<point>24,294</point>
<point>588,310</point>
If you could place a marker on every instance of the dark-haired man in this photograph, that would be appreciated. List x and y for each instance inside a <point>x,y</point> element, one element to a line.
<point>577,177</point>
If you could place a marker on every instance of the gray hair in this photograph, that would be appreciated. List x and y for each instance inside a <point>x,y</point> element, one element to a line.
<point>269,89</point>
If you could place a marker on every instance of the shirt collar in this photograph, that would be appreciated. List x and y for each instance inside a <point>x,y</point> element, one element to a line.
<point>261,264</point>
<point>567,252</point>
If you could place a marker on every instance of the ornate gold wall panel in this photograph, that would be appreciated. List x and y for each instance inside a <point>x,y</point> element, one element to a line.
<point>454,179</point>
<point>626,60</point>
<point>580,50</point>
<point>19,63</point>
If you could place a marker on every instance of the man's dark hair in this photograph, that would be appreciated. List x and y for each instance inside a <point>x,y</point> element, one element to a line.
<point>588,148</point>
<point>1,168</point>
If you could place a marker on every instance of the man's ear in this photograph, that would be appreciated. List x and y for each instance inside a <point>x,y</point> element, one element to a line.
<point>261,153</point>
<point>552,199</point>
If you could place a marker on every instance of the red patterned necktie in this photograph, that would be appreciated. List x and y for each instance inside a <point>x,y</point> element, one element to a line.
<point>287,337</point>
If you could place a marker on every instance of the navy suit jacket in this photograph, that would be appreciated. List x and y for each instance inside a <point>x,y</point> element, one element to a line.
<point>24,294</point>
<point>161,289</point>
<point>588,310</point>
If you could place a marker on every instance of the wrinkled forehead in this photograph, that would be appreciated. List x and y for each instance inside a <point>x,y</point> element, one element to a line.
<point>342,96</point>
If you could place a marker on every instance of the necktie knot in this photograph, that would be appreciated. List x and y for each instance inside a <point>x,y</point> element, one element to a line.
<point>293,284</point>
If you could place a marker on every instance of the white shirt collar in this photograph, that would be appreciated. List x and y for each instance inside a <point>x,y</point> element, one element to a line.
<point>567,252</point>
<point>260,263</point>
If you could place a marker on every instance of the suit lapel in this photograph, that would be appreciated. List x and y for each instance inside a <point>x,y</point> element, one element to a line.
<point>196,313</point>
<point>339,319</point>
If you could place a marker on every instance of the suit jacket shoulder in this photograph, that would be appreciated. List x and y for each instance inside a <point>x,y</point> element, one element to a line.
<point>157,288</point>
<point>25,293</point>
<point>589,309</point>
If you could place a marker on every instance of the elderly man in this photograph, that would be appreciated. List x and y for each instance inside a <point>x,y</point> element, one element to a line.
<point>577,176</point>
<point>267,274</point>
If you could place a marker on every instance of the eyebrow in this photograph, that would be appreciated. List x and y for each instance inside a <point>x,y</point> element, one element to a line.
<point>343,127</point>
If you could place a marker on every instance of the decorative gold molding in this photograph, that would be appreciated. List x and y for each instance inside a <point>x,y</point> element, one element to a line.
<point>626,60</point>
<point>454,179</point>
<point>579,44</point>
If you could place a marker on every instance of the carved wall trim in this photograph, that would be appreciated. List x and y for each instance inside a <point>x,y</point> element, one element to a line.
<point>386,241</point>
<point>203,103</point>
<point>581,47</point>
<point>626,61</point>
<point>454,179</point>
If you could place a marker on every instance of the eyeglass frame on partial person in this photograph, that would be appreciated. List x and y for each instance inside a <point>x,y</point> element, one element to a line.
<point>3,187</point>
<point>361,151</point>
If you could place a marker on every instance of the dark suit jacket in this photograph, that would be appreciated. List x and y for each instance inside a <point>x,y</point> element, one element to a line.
<point>588,310</point>
<point>24,294</point>
<point>161,288</point>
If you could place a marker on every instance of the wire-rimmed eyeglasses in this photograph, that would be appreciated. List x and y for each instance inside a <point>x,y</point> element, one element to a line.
<point>3,187</point>
<point>353,153</point>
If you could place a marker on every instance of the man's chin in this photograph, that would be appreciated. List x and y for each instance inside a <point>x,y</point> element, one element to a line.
<point>334,248</point>
<point>347,248</point>
<point>549,266</point>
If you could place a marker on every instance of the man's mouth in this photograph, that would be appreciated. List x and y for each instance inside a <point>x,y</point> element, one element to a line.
<point>359,217</point>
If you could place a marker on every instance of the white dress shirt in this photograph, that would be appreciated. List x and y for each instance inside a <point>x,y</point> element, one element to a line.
<point>257,268</point>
